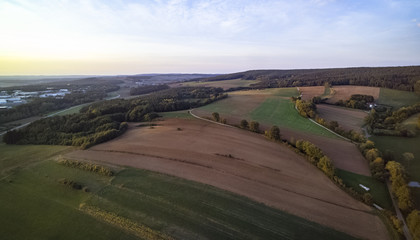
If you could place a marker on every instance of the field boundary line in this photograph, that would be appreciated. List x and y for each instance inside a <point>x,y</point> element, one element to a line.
<point>310,119</point>
<point>208,120</point>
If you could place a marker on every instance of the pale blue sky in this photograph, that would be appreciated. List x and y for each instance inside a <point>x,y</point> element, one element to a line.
<point>213,36</point>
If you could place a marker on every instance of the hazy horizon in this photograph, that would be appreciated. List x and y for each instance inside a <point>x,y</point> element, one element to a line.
<point>205,36</point>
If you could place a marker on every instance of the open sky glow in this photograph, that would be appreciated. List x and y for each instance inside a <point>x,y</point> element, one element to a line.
<point>209,36</point>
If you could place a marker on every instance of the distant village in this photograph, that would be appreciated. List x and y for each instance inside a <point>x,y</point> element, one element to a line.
<point>17,97</point>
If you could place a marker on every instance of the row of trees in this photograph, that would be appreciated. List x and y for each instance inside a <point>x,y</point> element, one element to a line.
<point>316,157</point>
<point>399,186</point>
<point>106,120</point>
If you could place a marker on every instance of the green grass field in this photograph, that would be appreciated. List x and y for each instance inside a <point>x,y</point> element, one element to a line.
<point>396,98</point>
<point>378,190</point>
<point>276,109</point>
<point>399,145</point>
<point>130,205</point>
<point>281,112</point>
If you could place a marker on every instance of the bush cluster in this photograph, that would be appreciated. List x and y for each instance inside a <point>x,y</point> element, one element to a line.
<point>87,167</point>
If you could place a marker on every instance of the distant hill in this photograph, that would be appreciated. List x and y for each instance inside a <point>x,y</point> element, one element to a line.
<point>401,78</point>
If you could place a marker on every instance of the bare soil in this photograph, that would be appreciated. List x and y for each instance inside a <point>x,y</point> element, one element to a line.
<point>309,92</point>
<point>345,92</point>
<point>349,119</point>
<point>262,170</point>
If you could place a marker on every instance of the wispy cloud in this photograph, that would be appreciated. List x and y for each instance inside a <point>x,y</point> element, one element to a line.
<point>159,31</point>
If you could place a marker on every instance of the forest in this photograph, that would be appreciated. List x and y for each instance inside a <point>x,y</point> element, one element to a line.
<point>106,120</point>
<point>383,121</point>
<point>400,78</point>
<point>147,89</point>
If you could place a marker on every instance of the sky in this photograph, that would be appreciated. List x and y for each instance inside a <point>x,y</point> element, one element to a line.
<point>50,37</point>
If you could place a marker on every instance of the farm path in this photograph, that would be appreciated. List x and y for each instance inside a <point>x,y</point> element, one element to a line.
<point>400,216</point>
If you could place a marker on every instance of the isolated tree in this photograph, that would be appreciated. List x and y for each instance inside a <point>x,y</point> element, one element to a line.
<point>408,157</point>
<point>254,126</point>
<point>244,124</point>
<point>216,116</point>
<point>274,133</point>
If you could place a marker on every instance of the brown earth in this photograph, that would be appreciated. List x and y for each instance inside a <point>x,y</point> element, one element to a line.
<point>345,92</point>
<point>309,92</point>
<point>345,155</point>
<point>349,119</point>
<point>262,170</point>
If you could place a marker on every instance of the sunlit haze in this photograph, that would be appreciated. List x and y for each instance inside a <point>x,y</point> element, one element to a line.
<point>213,36</point>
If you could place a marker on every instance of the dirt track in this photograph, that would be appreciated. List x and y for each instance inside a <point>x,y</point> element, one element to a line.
<point>259,169</point>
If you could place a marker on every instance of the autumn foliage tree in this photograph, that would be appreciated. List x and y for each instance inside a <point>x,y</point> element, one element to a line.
<point>399,185</point>
<point>273,133</point>
<point>254,126</point>
<point>413,222</point>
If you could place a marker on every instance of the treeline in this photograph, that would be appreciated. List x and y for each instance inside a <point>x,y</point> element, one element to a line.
<point>306,108</point>
<point>106,120</point>
<point>106,84</point>
<point>401,78</point>
<point>316,157</point>
<point>147,89</point>
<point>399,186</point>
<point>40,106</point>
<point>357,101</point>
<point>387,122</point>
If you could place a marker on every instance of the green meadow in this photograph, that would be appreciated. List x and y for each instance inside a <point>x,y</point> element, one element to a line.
<point>397,98</point>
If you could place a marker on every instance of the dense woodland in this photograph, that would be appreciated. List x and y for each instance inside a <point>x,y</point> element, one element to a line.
<point>103,121</point>
<point>147,89</point>
<point>401,78</point>
<point>98,84</point>
<point>40,106</point>
<point>383,121</point>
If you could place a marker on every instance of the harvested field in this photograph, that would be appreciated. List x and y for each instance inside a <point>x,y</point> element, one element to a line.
<point>269,107</point>
<point>345,92</point>
<point>349,119</point>
<point>257,168</point>
<point>309,92</point>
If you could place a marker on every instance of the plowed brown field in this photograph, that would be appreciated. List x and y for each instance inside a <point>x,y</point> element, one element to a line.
<point>257,168</point>
<point>345,92</point>
<point>309,92</point>
<point>349,119</point>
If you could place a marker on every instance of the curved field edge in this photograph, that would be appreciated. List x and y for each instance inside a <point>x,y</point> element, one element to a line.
<point>35,205</point>
<point>281,112</point>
